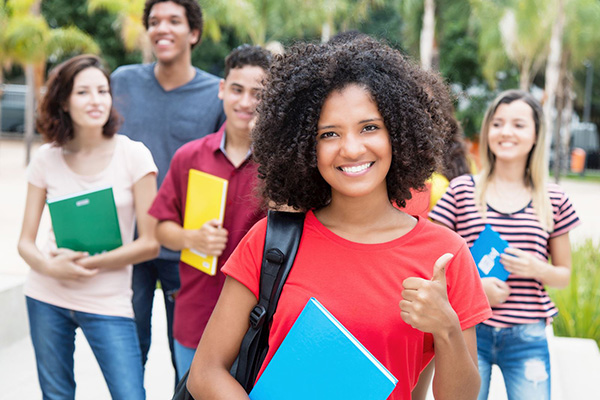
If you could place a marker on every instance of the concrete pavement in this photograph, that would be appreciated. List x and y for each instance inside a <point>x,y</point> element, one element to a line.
<point>18,378</point>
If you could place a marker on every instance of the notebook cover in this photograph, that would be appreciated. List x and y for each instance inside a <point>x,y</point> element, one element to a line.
<point>486,252</point>
<point>206,197</point>
<point>86,221</point>
<point>320,359</point>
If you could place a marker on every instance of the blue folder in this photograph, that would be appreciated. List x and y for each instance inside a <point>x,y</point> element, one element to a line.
<point>486,252</point>
<point>320,359</point>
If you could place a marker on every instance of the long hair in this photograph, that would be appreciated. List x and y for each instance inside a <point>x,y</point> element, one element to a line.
<point>535,175</point>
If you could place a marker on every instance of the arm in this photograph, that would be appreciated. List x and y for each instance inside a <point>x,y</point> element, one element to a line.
<point>425,307</point>
<point>555,274</point>
<point>145,247</point>
<point>209,377</point>
<point>62,264</point>
<point>210,239</point>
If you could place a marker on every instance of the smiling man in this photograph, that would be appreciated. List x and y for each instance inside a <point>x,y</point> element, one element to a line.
<point>227,155</point>
<point>165,105</point>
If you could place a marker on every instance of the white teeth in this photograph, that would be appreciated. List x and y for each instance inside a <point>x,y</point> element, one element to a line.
<point>356,169</point>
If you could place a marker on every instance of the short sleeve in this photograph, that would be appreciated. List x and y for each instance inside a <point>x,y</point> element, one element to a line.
<point>168,204</point>
<point>565,217</point>
<point>445,210</point>
<point>140,161</point>
<point>245,262</point>
<point>36,170</point>
<point>465,291</point>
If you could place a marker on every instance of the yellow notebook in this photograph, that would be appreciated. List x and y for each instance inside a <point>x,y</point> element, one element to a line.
<point>206,196</point>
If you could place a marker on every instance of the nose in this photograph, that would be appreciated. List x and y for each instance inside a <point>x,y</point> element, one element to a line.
<point>94,96</point>
<point>352,146</point>
<point>248,100</point>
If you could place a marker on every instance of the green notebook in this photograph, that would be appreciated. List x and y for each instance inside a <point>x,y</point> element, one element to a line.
<point>86,221</point>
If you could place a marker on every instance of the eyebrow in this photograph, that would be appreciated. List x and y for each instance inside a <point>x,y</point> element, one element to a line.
<point>364,121</point>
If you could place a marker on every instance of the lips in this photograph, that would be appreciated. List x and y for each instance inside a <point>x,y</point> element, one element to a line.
<point>356,169</point>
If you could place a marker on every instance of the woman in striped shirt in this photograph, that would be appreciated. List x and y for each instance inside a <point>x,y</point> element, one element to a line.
<point>511,193</point>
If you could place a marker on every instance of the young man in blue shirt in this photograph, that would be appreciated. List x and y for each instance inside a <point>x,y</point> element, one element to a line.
<point>165,105</point>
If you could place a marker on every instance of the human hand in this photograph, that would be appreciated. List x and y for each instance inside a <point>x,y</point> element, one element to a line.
<point>497,291</point>
<point>425,305</point>
<point>63,264</point>
<point>522,263</point>
<point>210,239</point>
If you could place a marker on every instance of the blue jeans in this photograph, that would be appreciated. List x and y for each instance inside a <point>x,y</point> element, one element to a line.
<point>183,357</point>
<point>145,276</point>
<point>521,353</point>
<point>112,339</point>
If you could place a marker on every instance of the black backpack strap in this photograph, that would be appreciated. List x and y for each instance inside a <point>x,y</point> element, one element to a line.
<point>284,230</point>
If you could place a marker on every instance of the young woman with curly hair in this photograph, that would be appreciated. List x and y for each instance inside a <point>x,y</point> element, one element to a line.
<point>512,195</point>
<point>343,131</point>
<point>68,289</point>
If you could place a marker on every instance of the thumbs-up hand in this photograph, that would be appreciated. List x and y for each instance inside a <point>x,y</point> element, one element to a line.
<point>425,305</point>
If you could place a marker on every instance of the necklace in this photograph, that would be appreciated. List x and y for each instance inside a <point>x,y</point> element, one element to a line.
<point>509,198</point>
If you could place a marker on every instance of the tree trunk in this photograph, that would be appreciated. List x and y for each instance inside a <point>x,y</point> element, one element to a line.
<point>553,70</point>
<point>29,110</point>
<point>1,94</point>
<point>428,35</point>
<point>525,77</point>
<point>566,119</point>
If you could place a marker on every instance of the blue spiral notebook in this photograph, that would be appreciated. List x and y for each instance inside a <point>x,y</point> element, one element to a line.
<point>320,359</point>
<point>486,252</point>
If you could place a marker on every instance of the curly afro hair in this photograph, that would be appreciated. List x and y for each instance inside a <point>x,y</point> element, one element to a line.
<point>295,89</point>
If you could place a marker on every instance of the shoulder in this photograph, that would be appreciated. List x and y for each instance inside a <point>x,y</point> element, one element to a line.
<point>441,234</point>
<point>463,181</point>
<point>47,151</point>
<point>198,147</point>
<point>203,76</point>
<point>132,147</point>
<point>131,70</point>
<point>131,76</point>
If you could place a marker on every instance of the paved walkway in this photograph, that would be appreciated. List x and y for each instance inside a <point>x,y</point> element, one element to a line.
<point>18,379</point>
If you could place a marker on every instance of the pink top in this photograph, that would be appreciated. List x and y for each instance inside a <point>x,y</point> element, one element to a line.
<point>108,292</point>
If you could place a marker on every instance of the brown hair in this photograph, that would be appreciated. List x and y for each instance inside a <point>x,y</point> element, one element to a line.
<point>53,122</point>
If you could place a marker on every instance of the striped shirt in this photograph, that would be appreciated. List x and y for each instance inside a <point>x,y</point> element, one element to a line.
<point>528,301</point>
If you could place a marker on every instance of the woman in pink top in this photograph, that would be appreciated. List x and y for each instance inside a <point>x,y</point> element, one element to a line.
<point>68,289</point>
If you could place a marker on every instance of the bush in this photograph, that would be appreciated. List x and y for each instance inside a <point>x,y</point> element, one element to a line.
<point>579,303</point>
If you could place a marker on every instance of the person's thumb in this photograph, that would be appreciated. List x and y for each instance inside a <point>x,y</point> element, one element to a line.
<point>439,268</point>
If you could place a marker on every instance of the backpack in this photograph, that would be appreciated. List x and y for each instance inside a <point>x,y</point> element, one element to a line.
<point>284,230</point>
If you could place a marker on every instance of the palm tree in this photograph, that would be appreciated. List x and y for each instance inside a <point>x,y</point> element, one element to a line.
<point>129,20</point>
<point>513,32</point>
<point>30,42</point>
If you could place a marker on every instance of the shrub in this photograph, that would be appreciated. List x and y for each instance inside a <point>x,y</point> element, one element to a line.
<point>579,303</point>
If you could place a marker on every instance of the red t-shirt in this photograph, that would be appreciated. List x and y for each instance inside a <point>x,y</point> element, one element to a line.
<point>361,285</point>
<point>199,292</point>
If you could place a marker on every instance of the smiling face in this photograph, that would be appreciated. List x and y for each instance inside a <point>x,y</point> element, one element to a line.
<point>353,145</point>
<point>169,32</point>
<point>90,101</point>
<point>239,92</point>
<point>512,132</point>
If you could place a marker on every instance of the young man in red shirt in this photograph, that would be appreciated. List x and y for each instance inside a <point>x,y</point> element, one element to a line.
<point>226,154</point>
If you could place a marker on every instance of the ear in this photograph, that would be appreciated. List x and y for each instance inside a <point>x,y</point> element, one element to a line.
<point>221,88</point>
<point>194,36</point>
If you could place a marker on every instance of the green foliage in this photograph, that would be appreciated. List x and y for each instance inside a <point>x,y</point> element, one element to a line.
<point>579,314</point>
<point>25,38</point>
<point>68,42</point>
<point>101,26</point>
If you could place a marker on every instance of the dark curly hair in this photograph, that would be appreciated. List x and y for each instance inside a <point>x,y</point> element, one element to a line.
<point>247,55</point>
<point>53,122</point>
<point>193,13</point>
<point>295,90</point>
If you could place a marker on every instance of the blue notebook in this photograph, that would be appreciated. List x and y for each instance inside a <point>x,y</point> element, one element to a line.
<point>486,252</point>
<point>320,359</point>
